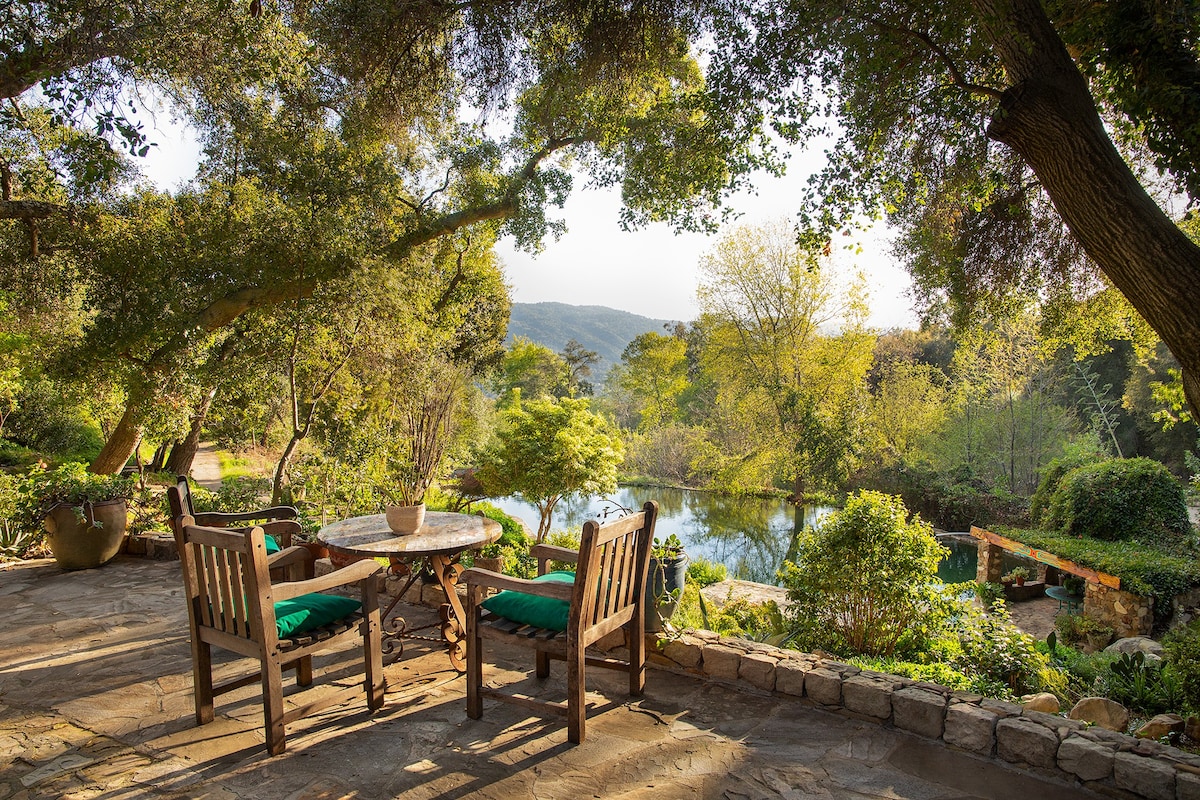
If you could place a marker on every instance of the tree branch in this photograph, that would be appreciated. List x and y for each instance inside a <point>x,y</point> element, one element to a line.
<point>501,208</point>
<point>940,53</point>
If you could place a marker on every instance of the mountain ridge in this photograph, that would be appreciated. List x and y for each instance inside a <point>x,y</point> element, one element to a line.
<point>605,330</point>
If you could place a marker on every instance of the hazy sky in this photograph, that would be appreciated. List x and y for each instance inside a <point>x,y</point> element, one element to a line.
<point>652,271</point>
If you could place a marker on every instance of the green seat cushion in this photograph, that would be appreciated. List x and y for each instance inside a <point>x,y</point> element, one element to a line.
<point>540,612</point>
<point>272,545</point>
<point>310,611</point>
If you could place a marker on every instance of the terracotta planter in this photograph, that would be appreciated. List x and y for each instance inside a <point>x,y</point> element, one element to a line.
<point>338,560</point>
<point>90,542</point>
<point>1020,581</point>
<point>405,519</point>
<point>315,549</point>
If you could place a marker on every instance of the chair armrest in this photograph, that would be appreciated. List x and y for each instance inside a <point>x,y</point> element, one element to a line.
<point>552,552</point>
<point>354,573</point>
<point>494,580</point>
<point>289,556</point>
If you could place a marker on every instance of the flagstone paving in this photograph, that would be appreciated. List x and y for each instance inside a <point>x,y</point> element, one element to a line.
<point>95,702</point>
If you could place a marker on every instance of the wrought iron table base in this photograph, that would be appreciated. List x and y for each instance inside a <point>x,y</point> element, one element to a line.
<point>445,570</point>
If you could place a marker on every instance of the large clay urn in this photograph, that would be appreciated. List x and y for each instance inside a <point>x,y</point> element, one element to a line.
<point>90,541</point>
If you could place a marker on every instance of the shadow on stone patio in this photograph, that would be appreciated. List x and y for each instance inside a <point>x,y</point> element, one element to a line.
<point>95,701</point>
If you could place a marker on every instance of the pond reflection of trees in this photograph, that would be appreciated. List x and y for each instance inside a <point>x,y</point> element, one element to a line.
<point>751,536</point>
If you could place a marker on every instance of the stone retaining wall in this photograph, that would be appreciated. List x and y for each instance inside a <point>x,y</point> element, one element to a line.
<point>1047,744</point>
<point>1128,614</point>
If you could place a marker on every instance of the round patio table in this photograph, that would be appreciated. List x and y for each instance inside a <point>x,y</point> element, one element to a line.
<point>435,548</point>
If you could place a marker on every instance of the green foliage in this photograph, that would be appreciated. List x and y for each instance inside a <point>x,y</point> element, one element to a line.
<point>1052,476</point>
<point>1002,661</point>
<point>666,549</point>
<point>71,484</point>
<point>237,493</point>
<point>937,672</point>
<point>1142,685</point>
<point>864,582</point>
<point>1077,628</point>
<point>988,592</point>
<point>1022,573</point>
<point>701,572</point>
<point>1125,499</point>
<point>19,535</point>
<point>549,449</point>
<point>1182,647</point>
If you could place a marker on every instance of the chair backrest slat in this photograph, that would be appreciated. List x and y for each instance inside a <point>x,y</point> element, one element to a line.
<point>612,566</point>
<point>226,574</point>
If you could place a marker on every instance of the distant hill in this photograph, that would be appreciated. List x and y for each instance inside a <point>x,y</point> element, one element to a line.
<point>604,330</point>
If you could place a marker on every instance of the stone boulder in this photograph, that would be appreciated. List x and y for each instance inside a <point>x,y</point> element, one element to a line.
<point>1160,726</point>
<point>1040,702</point>
<point>1191,728</point>
<point>1102,712</point>
<point>1134,644</point>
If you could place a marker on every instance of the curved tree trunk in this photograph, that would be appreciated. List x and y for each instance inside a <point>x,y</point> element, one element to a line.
<point>125,437</point>
<point>1048,116</point>
<point>184,453</point>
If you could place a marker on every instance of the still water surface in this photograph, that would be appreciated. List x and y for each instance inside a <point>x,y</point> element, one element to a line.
<point>751,536</point>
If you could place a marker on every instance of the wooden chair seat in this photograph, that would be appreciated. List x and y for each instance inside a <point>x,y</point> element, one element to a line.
<point>607,595</point>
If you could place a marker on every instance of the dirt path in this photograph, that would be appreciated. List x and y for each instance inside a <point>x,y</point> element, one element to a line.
<point>206,467</point>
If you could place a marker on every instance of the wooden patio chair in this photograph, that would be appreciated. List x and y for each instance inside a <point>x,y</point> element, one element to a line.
<point>279,522</point>
<point>233,605</point>
<point>560,620</point>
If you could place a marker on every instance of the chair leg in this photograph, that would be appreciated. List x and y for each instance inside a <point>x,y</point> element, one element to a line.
<point>576,690</point>
<point>474,655</point>
<point>376,684</point>
<point>272,685</point>
<point>543,665</point>
<point>304,671</point>
<point>202,679</point>
<point>637,656</point>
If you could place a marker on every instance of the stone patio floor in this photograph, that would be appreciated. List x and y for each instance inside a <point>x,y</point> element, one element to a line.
<point>95,702</point>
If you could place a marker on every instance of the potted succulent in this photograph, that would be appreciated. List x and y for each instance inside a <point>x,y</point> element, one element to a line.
<point>84,514</point>
<point>664,583</point>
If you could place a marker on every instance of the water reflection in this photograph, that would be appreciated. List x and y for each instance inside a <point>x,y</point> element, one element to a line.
<point>751,536</point>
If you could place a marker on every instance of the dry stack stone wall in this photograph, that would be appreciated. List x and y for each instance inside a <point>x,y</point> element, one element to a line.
<point>1127,614</point>
<point>1052,746</point>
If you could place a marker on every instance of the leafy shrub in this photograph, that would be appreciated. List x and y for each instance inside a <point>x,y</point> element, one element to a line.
<point>1076,628</point>
<point>703,572</point>
<point>1182,647</point>
<point>988,593</point>
<point>865,582</point>
<point>44,421</point>
<point>952,500</point>
<point>1052,476</point>
<point>1142,685</point>
<point>19,534</point>
<point>1121,500</point>
<point>1001,660</point>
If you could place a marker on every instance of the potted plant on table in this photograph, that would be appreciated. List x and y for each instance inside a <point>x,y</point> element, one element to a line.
<point>84,514</point>
<point>427,419</point>
<point>664,583</point>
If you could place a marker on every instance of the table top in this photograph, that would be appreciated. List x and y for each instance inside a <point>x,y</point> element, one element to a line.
<point>443,533</point>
